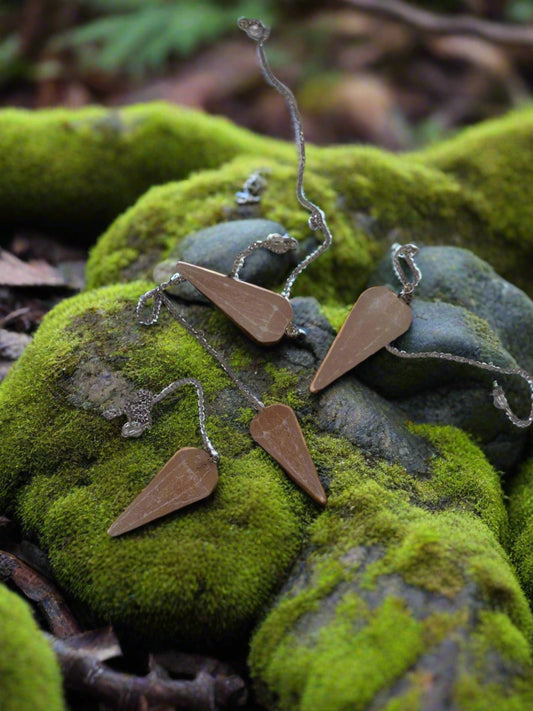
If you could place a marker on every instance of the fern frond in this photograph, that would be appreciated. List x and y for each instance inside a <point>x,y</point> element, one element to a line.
<point>145,36</point>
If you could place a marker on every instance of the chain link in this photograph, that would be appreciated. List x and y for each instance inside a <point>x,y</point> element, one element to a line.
<point>276,243</point>
<point>408,252</point>
<point>208,445</point>
<point>258,32</point>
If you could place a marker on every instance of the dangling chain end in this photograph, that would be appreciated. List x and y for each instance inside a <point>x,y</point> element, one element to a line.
<point>255,29</point>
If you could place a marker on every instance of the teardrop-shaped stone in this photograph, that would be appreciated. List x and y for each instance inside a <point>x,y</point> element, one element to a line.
<point>189,476</point>
<point>377,318</point>
<point>262,314</point>
<point>277,430</point>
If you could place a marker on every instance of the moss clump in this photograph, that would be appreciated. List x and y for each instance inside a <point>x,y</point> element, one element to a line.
<point>75,171</point>
<point>470,190</point>
<point>443,195</point>
<point>146,233</point>
<point>403,575</point>
<point>197,578</point>
<point>30,679</point>
<point>521,522</point>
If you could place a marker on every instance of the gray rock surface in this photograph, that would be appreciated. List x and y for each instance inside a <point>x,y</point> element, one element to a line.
<point>457,276</point>
<point>464,308</point>
<point>346,409</point>
<point>216,248</point>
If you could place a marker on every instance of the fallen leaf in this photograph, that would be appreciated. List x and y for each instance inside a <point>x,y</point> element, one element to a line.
<point>15,272</point>
<point>12,343</point>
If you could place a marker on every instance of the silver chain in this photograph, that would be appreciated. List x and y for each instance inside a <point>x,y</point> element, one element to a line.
<point>258,32</point>
<point>138,410</point>
<point>276,243</point>
<point>251,190</point>
<point>159,297</point>
<point>408,252</point>
<point>498,395</point>
<point>208,446</point>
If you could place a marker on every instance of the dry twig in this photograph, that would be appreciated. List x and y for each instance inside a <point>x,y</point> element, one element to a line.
<point>84,672</point>
<point>432,23</point>
<point>37,588</point>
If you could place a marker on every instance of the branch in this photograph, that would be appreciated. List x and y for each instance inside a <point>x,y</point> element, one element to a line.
<point>81,654</point>
<point>84,672</point>
<point>37,588</point>
<point>431,23</point>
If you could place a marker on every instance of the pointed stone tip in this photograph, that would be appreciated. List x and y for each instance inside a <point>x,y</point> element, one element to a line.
<point>314,388</point>
<point>114,530</point>
<point>322,498</point>
<point>319,382</point>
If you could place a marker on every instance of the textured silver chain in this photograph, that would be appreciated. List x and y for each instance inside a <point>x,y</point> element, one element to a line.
<point>408,253</point>
<point>498,395</point>
<point>208,446</point>
<point>258,32</point>
<point>159,297</point>
<point>276,243</point>
<point>138,410</point>
<point>252,189</point>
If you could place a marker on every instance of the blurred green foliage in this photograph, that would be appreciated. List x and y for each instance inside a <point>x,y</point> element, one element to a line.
<point>135,37</point>
<point>520,10</point>
<point>127,37</point>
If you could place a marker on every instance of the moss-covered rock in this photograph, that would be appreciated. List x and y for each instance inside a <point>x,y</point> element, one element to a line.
<point>145,234</point>
<point>30,679</point>
<point>459,193</point>
<point>461,307</point>
<point>75,171</point>
<point>202,576</point>
<point>521,521</point>
<point>404,598</point>
<point>197,578</point>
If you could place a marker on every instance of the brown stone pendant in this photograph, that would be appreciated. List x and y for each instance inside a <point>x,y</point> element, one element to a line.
<point>262,314</point>
<point>277,430</point>
<point>377,318</point>
<point>189,476</point>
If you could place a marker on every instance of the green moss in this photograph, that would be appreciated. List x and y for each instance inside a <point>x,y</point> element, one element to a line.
<point>471,695</point>
<point>495,632</point>
<point>147,232</point>
<point>410,701</point>
<point>521,521</point>
<point>346,656</point>
<point>283,388</point>
<point>366,194</point>
<point>462,475</point>
<point>488,158</point>
<point>75,171</point>
<point>30,679</point>
<point>336,314</point>
<point>199,577</point>
<point>368,602</point>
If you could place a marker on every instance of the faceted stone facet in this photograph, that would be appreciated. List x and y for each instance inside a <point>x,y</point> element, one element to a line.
<point>189,476</point>
<point>377,318</point>
<point>262,314</point>
<point>277,430</point>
